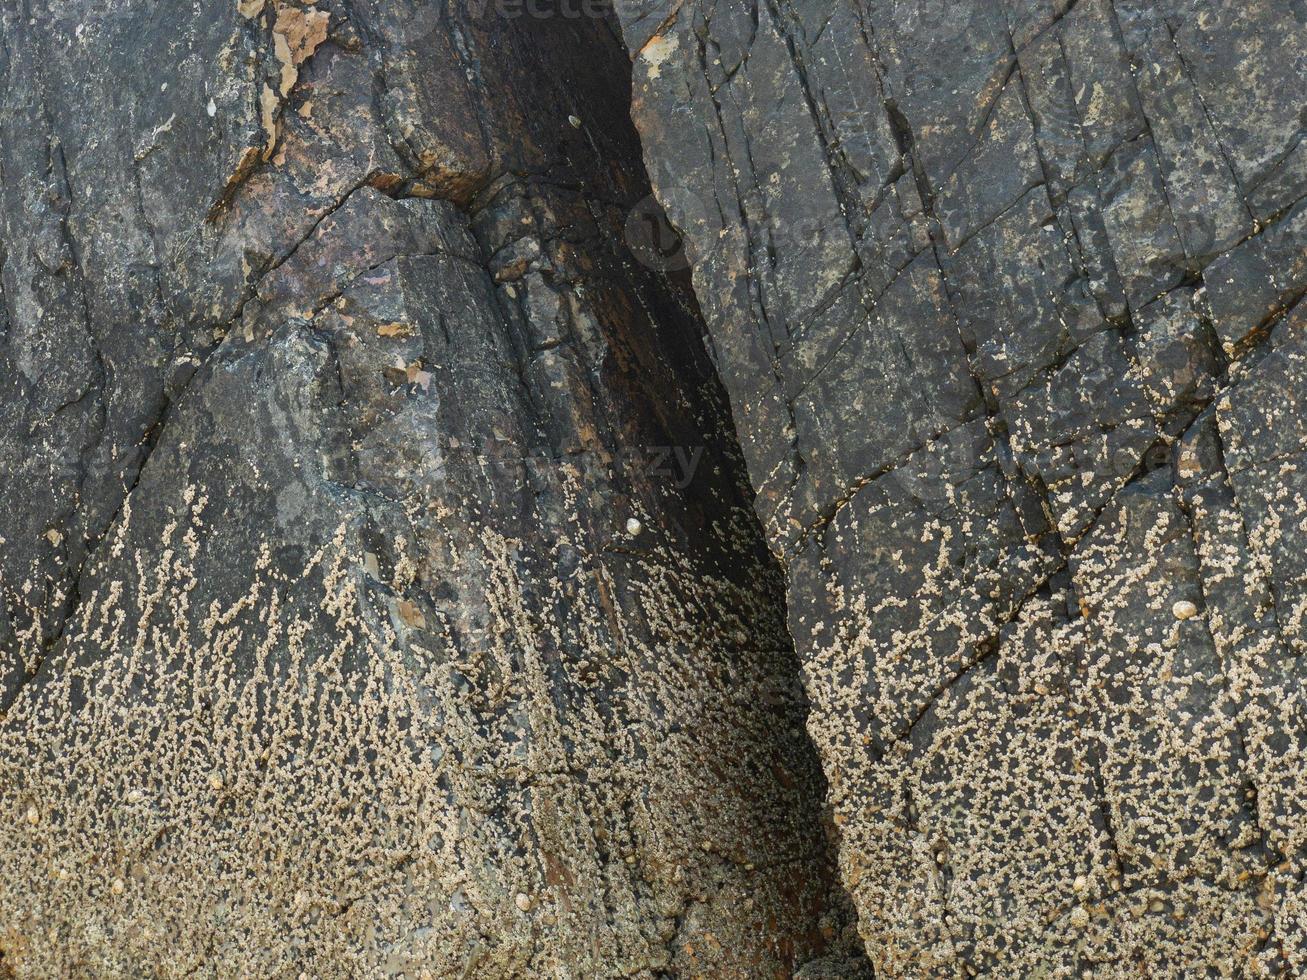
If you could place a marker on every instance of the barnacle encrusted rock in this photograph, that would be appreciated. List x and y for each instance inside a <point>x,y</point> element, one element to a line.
<point>1008,299</point>
<point>325,650</point>
<point>384,590</point>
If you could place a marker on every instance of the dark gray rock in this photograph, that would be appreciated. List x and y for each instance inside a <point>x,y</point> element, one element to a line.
<point>1032,468</point>
<point>381,591</point>
<point>383,585</point>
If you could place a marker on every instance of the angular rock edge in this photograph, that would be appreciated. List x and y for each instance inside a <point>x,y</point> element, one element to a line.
<point>1007,296</point>
<point>381,591</point>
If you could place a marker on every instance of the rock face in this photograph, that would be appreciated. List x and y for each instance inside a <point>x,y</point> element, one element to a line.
<point>385,591</point>
<point>381,590</point>
<point>1007,300</point>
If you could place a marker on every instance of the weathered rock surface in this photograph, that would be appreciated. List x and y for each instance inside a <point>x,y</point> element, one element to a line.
<point>381,590</point>
<point>1007,297</point>
<point>382,587</point>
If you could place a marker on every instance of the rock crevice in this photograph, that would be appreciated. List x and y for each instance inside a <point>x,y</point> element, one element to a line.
<point>1015,273</point>
<point>369,630</point>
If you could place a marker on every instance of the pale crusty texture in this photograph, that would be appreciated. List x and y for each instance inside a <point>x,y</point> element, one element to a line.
<point>381,591</point>
<point>1007,297</point>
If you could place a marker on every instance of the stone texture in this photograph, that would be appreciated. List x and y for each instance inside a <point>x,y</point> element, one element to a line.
<point>381,591</point>
<point>1039,386</point>
<point>408,570</point>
